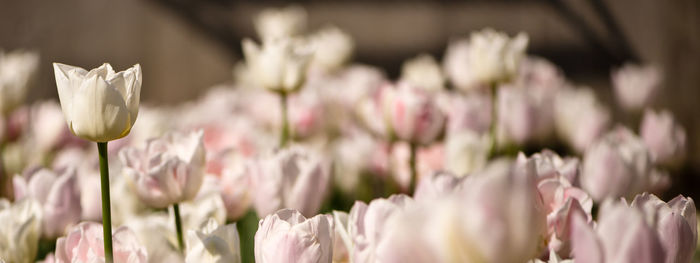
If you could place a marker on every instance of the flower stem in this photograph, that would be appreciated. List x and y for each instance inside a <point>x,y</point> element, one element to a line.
<point>492,127</point>
<point>178,227</point>
<point>412,165</point>
<point>284,135</point>
<point>106,212</point>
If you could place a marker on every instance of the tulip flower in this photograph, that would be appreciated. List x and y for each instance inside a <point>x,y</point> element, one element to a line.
<point>272,24</point>
<point>20,230</point>
<point>289,178</point>
<point>59,195</point>
<point>153,231</point>
<point>83,244</point>
<point>523,115</point>
<point>466,152</point>
<point>17,69</point>
<point>470,112</point>
<point>100,105</point>
<point>235,188</point>
<point>167,171</point>
<point>287,236</point>
<point>549,165</point>
<point>664,136</point>
<point>622,235</point>
<point>437,185</point>
<point>423,72</point>
<point>366,225</point>
<point>332,49</point>
<point>278,65</point>
<point>636,85</point>
<point>675,222</point>
<point>213,243</point>
<point>579,118</point>
<point>618,165</point>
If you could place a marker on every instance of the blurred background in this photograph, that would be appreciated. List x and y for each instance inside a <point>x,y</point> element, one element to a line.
<point>187,46</point>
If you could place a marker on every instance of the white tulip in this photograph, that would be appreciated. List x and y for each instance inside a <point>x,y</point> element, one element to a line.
<point>493,56</point>
<point>16,71</point>
<point>213,243</point>
<point>424,72</point>
<point>280,23</point>
<point>332,48</point>
<point>100,105</point>
<point>19,231</point>
<point>278,65</point>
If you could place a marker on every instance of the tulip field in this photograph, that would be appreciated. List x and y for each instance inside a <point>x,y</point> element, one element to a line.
<point>488,154</point>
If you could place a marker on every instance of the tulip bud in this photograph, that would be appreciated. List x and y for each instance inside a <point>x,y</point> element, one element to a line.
<point>99,105</point>
<point>20,230</point>
<point>664,137</point>
<point>413,114</point>
<point>287,236</point>
<point>289,178</point>
<point>278,65</point>
<point>635,86</point>
<point>332,48</point>
<point>16,72</point>
<point>167,170</point>
<point>84,244</point>
<point>423,72</point>
<point>213,243</point>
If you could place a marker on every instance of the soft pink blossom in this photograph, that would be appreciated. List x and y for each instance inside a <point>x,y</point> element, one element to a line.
<point>664,136</point>
<point>635,85</point>
<point>414,114</point>
<point>84,244</point>
<point>287,236</point>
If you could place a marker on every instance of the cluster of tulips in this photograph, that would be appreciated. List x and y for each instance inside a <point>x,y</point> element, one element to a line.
<point>490,156</point>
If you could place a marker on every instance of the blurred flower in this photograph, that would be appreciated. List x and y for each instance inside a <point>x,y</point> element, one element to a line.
<point>167,170</point>
<point>553,258</point>
<point>48,129</point>
<point>366,225</point>
<point>579,117</point>
<point>539,74</point>
<point>664,137</point>
<point>621,235</point>
<point>17,69</point>
<point>469,112</point>
<point>207,205</point>
<point>289,178</point>
<point>429,160</point>
<point>272,24</point>
<point>436,186</point>
<point>373,111</point>
<point>155,231</point>
<point>332,48</point>
<point>100,105</point>
<point>616,166</point>
<point>58,193</point>
<point>523,116</point>
<point>357,154</point>
<point>278,65</point>
<point>236,188</point>
<point>152,122</point>
<point>84,244</point>
<point>287,236</point>
<point>423,72</point>
<point>675,222</point>
<point>457,66</point>
<point>476,224</point>
<point>413,113</point>
<point>466,152</point>
<point>635,86</point>
<point>213,243</point>
<point>549,164</point>
<point>306,114</point>
<point>20,230</point>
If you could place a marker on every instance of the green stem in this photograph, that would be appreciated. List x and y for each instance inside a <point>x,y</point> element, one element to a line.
<point>106,212</point>
<point>412,164</point>
<point>494,120</point>
<point>284,135</point>
<point>178,227</point>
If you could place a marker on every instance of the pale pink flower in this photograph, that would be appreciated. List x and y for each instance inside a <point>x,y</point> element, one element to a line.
<point>413,114</point>
<point>437,185</point>
<point>84,244</point>
<point>549,164</point>
<point>236,188</point>
<point>213,243</point>
<point>562,201</point>
<point>579,118</point>
<point>168,170</point>
<point>664,136</point>
<point>287,236</point>
<point>289,178</point>
<point>635,86</point>
<point>366,225</point>
<point>524,114</point>
<point>469,112</point>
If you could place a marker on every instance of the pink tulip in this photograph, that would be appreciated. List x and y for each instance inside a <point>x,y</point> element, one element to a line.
<point>289,178</point>
<point>59,195</point>
<point>414,115</point>
<point>549,165</point>
<point>366,225</point>
<point>664,136</point>
<point>562,202</point>
<point>618,165</point>
<point>622,235</point>
<point>287,236</point>
<point>167,170</point>
<point>236,188</point>
<point>524,114</point>
<point>84,243</point>
<point>635,86</point>
<point>469,112</point>
<point>675,222</point>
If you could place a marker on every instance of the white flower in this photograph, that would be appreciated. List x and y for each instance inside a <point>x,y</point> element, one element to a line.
<point>213,243</point>
<point>16,71</point>
<point>466,152</point>
<point>285,22</point>
<point>278,65</point>
<point>424,72</point>
<point>19,231</point>
<point>494,56</point>
<point>332,48</point>
<point>579,118</point>
<point>287,236</point>
<point>99,105</point>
